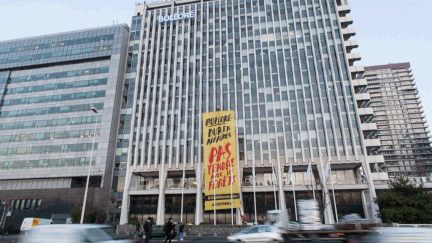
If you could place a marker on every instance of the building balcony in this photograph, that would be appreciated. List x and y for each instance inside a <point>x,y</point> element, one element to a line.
<point>365,111</point>
<point>356,70</point>
<point>344,10</point>
<point>362,96</point>
<point>375,158</point>
<point>368,126</point>
<point>347,20</point>
<point>351,44</point>
<point>359,82</point>
<point>348,32</point>
<point>372,142</point>
<point>356,56</point>
<point>379,176</point>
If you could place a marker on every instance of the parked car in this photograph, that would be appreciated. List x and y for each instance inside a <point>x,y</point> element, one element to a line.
<point>261,233</point>
<point>157,232</point>
<point>70,233</point>
<point>29,223</point>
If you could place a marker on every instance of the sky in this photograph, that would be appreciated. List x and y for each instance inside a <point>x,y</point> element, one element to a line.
<point>388,31</point>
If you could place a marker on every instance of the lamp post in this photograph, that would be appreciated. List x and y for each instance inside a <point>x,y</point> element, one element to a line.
<point>91,158</point>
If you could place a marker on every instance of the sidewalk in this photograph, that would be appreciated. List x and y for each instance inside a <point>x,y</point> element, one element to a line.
<point>8,238</point>
<point>187,239</point>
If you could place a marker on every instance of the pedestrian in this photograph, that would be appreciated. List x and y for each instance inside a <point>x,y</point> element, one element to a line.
<point>181,230</point>
<point>137,228</point>
<point>147,230</point>
<point>187,228</point>
<point>9,230</point>
<point>168,227</point>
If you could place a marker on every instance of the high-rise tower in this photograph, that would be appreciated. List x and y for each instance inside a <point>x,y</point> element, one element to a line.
<point>286,69</point>
<point>48,85</point>
<point>401,122</point>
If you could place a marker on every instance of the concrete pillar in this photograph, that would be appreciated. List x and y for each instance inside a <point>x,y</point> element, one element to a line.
<point>160,218</point>
<point>282,203</point>
<point>328,207</point>
<point>124,213</point>
<point>199,213</point>
<point>238,212</point>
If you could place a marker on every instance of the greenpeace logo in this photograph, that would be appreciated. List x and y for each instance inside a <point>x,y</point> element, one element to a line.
<point>175,17</point>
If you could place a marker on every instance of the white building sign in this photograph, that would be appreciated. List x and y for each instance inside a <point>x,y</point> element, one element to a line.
<point>175,17</point>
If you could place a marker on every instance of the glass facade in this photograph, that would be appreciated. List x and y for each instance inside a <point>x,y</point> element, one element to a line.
<point>281,65</point>
<point>48,87</point>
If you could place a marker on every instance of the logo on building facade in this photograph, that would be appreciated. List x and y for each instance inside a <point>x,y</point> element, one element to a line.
<point>175,17</point>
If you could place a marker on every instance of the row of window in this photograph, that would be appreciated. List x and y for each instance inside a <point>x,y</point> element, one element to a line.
<point>35,184</point>
<point>56,54</point>
<point>25,204</point>
<point>45,163</point>
<point>50,110</point>
<point>65,74</point>
<point>46,87</point>
<point>54,98</point>
<point>80,147</point>
<point>57,44</point>
<point>48,135</point>
<point>50,122</point>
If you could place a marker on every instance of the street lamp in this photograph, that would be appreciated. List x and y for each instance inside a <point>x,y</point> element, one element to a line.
<point>91,158</point>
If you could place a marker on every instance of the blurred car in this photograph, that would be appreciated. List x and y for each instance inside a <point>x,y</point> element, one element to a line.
<point>261,233</point>
<point>69,233</point>
<point>399,234</point>
<point>354,218</point>
<point>157,232</point>
<point>292,225</point>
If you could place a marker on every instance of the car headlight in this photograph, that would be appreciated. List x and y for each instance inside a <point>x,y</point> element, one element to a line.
<point>230,238</point>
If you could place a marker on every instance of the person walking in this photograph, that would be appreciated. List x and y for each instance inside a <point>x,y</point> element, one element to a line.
<point>148,229</point>
<point>181,230</point>
<point>138,226</point>
<point>168,227</point>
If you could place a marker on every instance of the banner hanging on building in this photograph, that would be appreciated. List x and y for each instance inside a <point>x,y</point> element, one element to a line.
<point>220,160</point>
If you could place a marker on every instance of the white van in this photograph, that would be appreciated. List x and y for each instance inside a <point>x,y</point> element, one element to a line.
<point>28,223</point>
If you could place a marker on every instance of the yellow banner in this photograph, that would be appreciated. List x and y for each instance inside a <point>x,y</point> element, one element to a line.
<point>220,160</point>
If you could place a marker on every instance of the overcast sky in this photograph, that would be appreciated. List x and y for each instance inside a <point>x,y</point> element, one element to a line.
<point>388,31</point>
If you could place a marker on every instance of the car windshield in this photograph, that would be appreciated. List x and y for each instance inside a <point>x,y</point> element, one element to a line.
<point>96,235</point>
<point>250,230</point>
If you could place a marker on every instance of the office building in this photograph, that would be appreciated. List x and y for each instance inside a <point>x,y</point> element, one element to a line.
<point>401,122</point>
<point>287,70</point>
<point>48,85</point>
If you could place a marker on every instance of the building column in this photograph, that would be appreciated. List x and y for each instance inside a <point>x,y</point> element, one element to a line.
<point>328,208</point>
<point>160,218</point>
<point>238,210</point>
<point>199,213</point>
<point>282,203</point>
<point>124,214</point>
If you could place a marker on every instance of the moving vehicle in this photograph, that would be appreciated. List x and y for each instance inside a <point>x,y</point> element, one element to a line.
<point>261,233</point>
<point>399,234</point>
<point>310,228</point>
<point>70,233</point>
<point>29,223</point>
